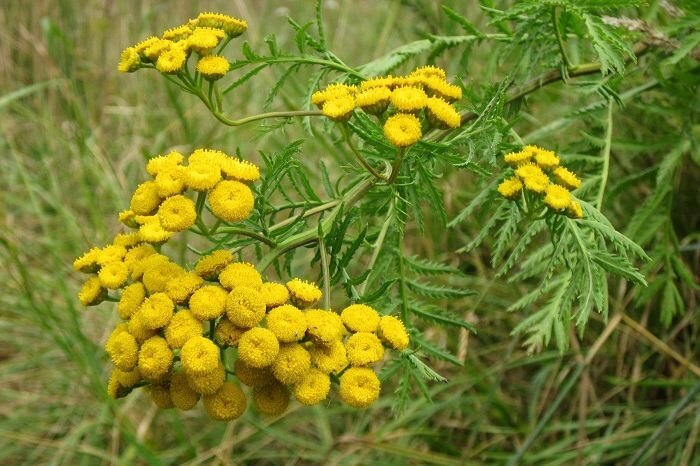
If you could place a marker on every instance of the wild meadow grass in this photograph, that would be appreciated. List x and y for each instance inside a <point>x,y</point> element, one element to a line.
<point>74,135</point>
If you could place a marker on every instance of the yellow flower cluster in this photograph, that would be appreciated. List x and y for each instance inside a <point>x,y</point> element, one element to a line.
<point>170,52</point>
<point>533,168</point>
<point>424,95</point>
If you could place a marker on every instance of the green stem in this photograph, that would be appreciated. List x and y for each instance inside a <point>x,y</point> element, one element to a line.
<point>359,156</point>
<point>248,233</point>
<point>287,114</point>
<point>396,166</point>
<point>606,157</point>
<point>377,246</point>
<point>560,39</point>
<point>326,274</point>
<point>403,293</point>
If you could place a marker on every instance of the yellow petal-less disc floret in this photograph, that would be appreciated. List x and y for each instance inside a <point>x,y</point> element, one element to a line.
<point>557,197</point>
<point>199,356</point>
<point>402,129</point>
<point>339,108</point>
<point>271,399</point>
<point>208,302</point>
<point>252,376</point>
<point>303,293</point>
<point>313,387</point>
<point>364,349</point>
<point>182,327</point>
<point>274,294</point>
<point>160,394</point>
<point>181,394</point>
<point>359,387</point>
<point>324,326</point>
<point>245,307</point>
<point>429,71</point>
<point>178,33</point>
<point>442,114</point>
<point>92,293</point>
<point>137,327</point>
<point>510,187</point>
<point>208,267</point>
<point>181,287</point>
<point>226,404</point>
<point>213,67</point>
<point>113,275</point>
<point>129,61</point>
<point>292,363</point>
<point>155,358</point>
<point>156,164</point>
<point>115,389</point>
<point>438,87</point>
<point>127,240</point>
<point>258,347</point>
<point>131,299</point>
<point>110,253</point>
<point>231,201</point>
<point>153,232</point>
<point>158,274</point>
<point>517,158</point>
<point>567,178</point>
<point>155,48</point>
<point>87,263</point>
<point>287,323</point>
<point>360,318</point>
<point>201,176</point>
<point>122,349</point>
<point>204,39</point>
<point>373,100</point>
<point>240,170</point>
<point>574,210</point>
<point>127,378</point>
<point>240,274</point>
<point>208,383</point>
<point>145,199</point>
<point>228,334</point>
<point>234,27</point>
<point>331,358</point>
<point>177,213</point>
<point>408,99</point>
<point>170,181</point>
<point>157,310</point>
<point>171,60</point>
<point>533,177</point>
<point>393,333</point>
<point>546,158</point>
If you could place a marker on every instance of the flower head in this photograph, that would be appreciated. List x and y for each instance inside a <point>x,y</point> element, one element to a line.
<point>303,293</point>
<point>227,403</point>
<point>557,197</point>
<point>181,287</point>
<point>442,114</point>
<point>209,382</point>
<point>574,210</point>
<point>213,67</point>
<point>373,100</point>
<point>234,27</point>
<point>171,60</point>
<point>364,349</point>
<point>409,99</point>
<point>201,176</point>
<point>567,178</point>
<point>208,302</point>
<point>271,399</point>
<point>131,299</point>
<point>208,267</point>
<point>228,334</point>
<point>113,275</point>
<point>510,188</point>
<point>181,394</point>
<point>182,327</point>
<point>292,363</point>
<point>156,164</point>
<point>360,318</point>
<point>287,323</point>
<point>393,333</point>
<point>157,310</point>
<point>258,347</point>
<point>240,274</point>
<point>402,129</point>
<point>339,108</point>
<point>359,387</point>
<point>92,292</point>
<point>231,201</point>
<point>245,307</point>
<point>533,177</point>
<point>87,263</point>
<point>252,376</point>
<point>204,39</point>
<point>155,358</point>
<point>331,358</point>
<point>240,170</point>
<point>546,158</point>
<point>199,356</point>
<point>122,349</point>
<point>160,394</point>
<point>324,327</point>
<point>129,61</point>
<point>274,294</point>
<point>170,181</point>
<point>313,387</point>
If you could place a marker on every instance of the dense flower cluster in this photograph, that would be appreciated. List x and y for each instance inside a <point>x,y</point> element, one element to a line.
<point>423,97</point>
<point>534,168</point>
<point>178,322</point>
<point>170,52</point>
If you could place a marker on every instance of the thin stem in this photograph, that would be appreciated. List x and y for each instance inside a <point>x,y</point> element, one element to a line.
<point>248,233</point>
<point>358,156</point>
<point>377,247</point>
<point>285,114</point>
<point>560,38</point>
<point>326,274</point>
<point>396,166</point>
<point>606,157</point>
<point>403,293</point>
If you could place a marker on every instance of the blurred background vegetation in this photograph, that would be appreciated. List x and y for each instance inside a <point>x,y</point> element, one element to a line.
<point>74,134</point>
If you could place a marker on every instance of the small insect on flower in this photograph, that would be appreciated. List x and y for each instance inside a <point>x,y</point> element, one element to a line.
<point>402,129</point>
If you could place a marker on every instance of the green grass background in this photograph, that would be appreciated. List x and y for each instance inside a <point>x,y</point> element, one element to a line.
<point>74,134</point>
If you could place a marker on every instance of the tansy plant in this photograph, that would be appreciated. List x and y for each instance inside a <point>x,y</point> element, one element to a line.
<point>236,322</point>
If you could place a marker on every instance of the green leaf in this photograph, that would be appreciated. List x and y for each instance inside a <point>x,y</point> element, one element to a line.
<point>671,303</point>
<point>433,351</point>
<point>618,266</point>
<point>396,57</point>
<point>461,20</point>
<point>428,267</point>
<point>437,291</point>
<point>611,48</point>
<point>439,316</point>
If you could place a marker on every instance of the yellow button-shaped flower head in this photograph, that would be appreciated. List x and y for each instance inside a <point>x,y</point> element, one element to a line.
<point>181,394</point>
<point>533,177</point>
<point>87,263</point>
<point>330,359</point>
<point>153,232</point>
<point>231,201</point>
<point>145,199</point>
<point>292,363</point>
<point>360,318</point>
<point>129,61</point>
<point>546,158</point>
<point>510,188</point>
<point>170,181</point>
<point>303,293</point>
<point>373,100</point>
<point>252,376</point>
<point>199,356</point>
<point>228,334</point>
<point>258,347</point>
<point>213,67</point>
<point>226,404</point>
<point>181,328</point>
<point>157,310</point>
<point>155,358</point>
<point>204,39</point>
<point>557,197</point>
<point>409,99</point>
<point>136,256</point>
<point>240,170</point>
<point>110,253</point>
<point>122,349</point>
<point>324,327</point>
<point>429,71</point>
<point>442,114</point>
<point>158,274</point>
<point>208,302</point>
<point>287,323</point>
<point>234,27</point>
<point>181,287</point>
<point>172,60</point>
<point>208,267</point>
<point>115,389</point>
<point>240,274</point>
<point>201,176</point>
<point>127,378</point>
<point>567,178</point>
<point>156,164</point>
<point>402,129</point>
<point>313,387</point>
<point>271,399</point>
<point>209,383</point>
<point>160,394</point>
<point>92,292</point>
<point>177,213</point>
<point>137,327</point>
<point>359,387</point>
<point>128,240</point>
<point>574,210</point>
<point>274,294</point>
<point>339,108</point>
<point>364,349</point>
<point>245,307</point>
<point>393,333</point>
